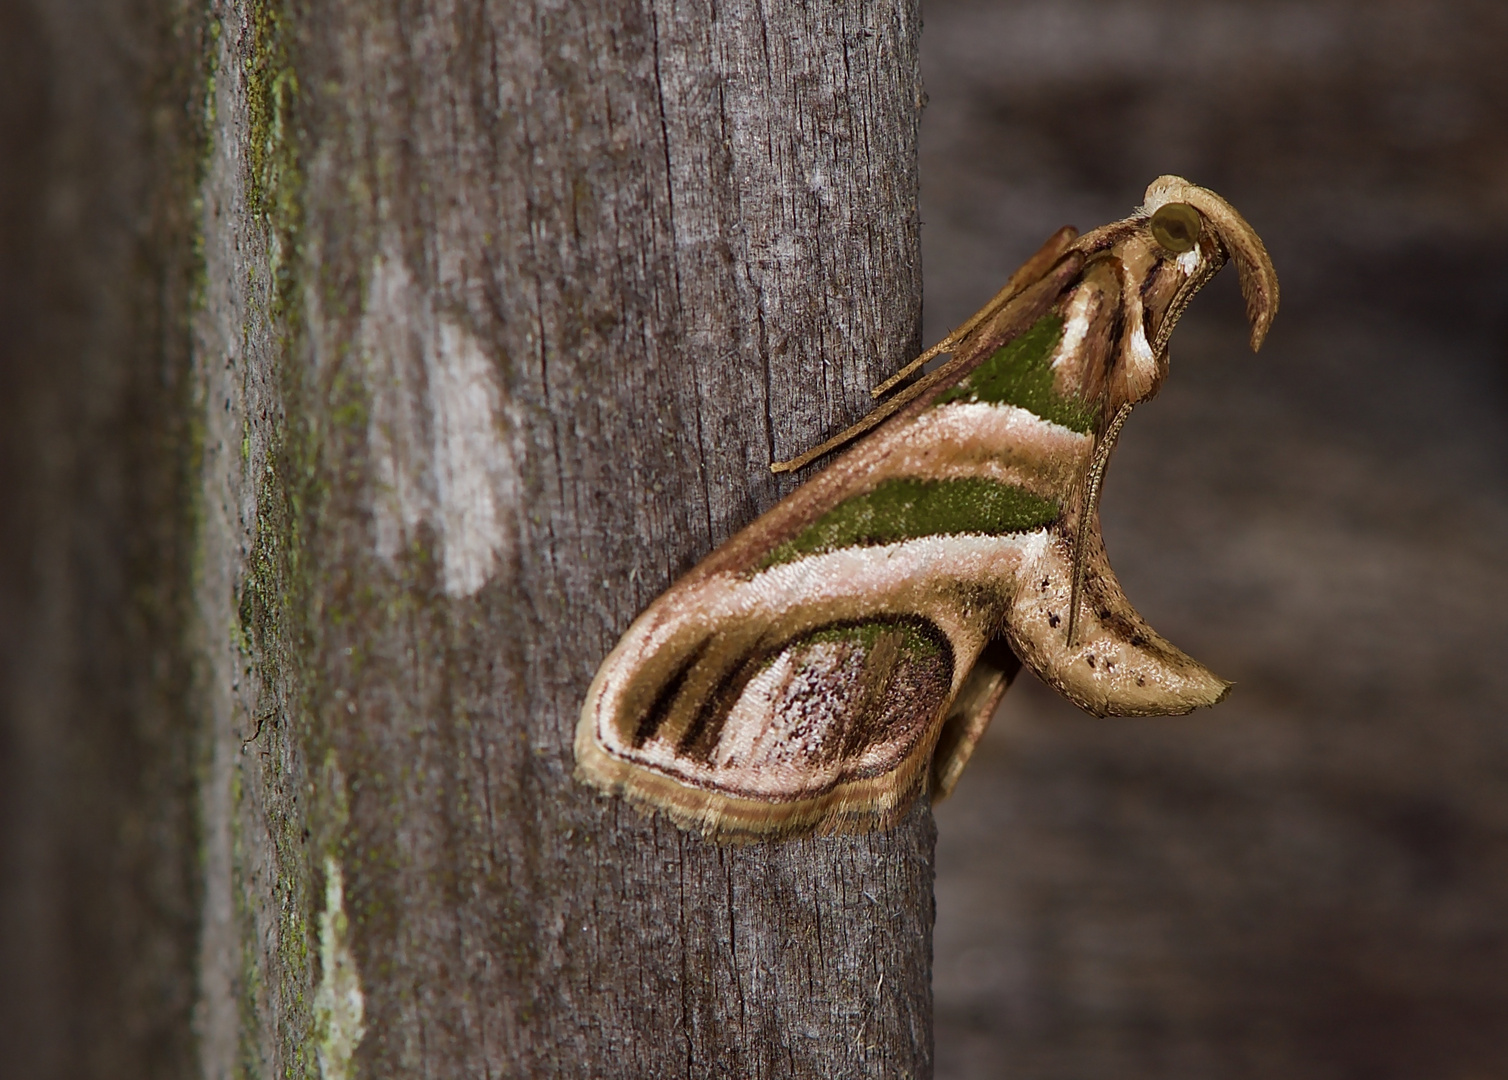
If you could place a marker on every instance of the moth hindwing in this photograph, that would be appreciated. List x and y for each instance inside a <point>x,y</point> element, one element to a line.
<point>847,649</point>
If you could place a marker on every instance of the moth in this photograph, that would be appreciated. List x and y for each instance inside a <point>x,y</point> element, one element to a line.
<point>846,651</point>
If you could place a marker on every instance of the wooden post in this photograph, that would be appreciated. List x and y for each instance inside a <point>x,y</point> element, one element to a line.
<point>507,308</point>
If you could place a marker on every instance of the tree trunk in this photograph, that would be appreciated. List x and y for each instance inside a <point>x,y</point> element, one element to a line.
<point>501,313</point>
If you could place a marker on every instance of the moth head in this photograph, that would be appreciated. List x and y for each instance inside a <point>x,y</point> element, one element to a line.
<point>1184,219</point>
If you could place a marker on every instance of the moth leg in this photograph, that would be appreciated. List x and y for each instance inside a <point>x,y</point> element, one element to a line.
<point>969,715</point>
<point>1089,505</point>
<point>1030,271</point>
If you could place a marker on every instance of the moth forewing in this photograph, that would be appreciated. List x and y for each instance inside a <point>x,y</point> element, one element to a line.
<point>847,648</point>
<point>1091,323</point>
<point>1030,272</point>
<point>991,327</point>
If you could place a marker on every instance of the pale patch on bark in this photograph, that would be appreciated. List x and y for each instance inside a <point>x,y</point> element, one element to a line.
<point>338,1003</point>
<point>443,443</point>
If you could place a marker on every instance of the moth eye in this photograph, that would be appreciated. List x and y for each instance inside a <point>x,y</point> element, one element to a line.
<point>1176,227</point>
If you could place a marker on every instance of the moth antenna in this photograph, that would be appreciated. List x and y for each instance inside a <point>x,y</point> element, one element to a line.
<point>881,412</point>
<point>1029,273</point>
<point>1094,479</point>
<point>946,345</point>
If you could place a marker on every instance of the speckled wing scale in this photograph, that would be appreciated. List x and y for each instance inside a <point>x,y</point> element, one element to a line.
<point>846,650</point>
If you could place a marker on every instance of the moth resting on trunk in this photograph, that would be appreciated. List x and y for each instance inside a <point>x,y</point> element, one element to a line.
<point>847,649</point>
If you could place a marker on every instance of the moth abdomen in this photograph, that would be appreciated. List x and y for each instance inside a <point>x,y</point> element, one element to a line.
<point>843,701</point>
<point>832,704</point>
<point>701,736</point>
<point>655,716</point>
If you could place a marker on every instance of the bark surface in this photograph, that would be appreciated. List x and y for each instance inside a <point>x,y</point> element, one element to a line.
<point>507,309</point>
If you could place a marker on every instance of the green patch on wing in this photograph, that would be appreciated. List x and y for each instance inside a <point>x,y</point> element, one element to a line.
<point>1019,374</point>
<point>906,509</point>
<point>866,635</point>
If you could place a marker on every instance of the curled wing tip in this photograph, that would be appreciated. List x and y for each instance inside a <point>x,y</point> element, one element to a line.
<point>1202,692</point>
<point>1118,666</point>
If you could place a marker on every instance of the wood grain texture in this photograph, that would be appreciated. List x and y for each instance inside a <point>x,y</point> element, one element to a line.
<point>508,308</point>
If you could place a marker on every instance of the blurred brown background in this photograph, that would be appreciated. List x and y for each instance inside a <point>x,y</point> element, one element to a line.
<point>1312,879</point>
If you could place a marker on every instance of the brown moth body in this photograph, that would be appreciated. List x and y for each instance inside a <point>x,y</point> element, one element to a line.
<point>826,662</point>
